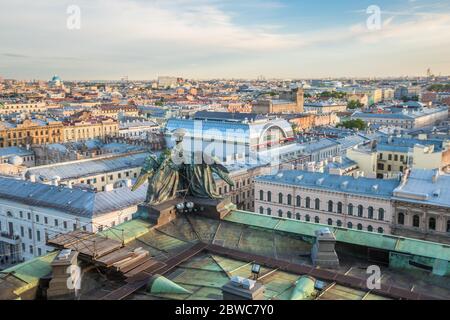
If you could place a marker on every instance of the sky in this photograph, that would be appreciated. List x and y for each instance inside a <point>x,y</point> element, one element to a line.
<point>204,39</point>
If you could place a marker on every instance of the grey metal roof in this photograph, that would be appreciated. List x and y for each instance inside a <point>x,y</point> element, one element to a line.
<point>315,146</point>
<point>77,169</point>
<point>72,201</point>
<point>12,151</point>
<point>420,188</point>
<point>401,144</point>
<point>227,116</point>
<point>323,181</point>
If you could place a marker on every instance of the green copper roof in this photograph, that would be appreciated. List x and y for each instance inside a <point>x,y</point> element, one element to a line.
<point>352,236</point>
<point>31,271</point>
<point>304,289</point>
<point>160,284</point>
<point>131,230</point>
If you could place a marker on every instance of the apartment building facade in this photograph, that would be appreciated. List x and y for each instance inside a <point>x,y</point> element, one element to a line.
<point>341,201</point>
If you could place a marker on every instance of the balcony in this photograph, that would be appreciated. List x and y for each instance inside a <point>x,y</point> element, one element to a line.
<point>9,238</point>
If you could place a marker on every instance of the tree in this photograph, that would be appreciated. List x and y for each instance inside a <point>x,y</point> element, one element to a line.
<point>354,104</point>
<point>333,94</point>
<point>439,87</point>
<point>353,124</point>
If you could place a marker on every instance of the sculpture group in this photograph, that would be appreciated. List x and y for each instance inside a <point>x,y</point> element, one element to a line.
<point>175,174</point>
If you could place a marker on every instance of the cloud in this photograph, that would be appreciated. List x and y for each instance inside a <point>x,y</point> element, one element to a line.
<point>151,36</point>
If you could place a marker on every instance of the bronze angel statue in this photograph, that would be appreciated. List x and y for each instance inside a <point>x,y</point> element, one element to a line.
<point>173,173</point>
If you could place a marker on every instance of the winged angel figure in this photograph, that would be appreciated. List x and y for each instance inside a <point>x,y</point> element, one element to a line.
<point>172,173</point>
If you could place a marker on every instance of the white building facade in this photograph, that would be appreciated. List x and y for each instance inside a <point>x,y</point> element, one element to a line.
<point>30,213</point>
<point>340,201</point>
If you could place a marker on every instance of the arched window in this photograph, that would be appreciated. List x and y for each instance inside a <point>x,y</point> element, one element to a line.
<point>317,204</point>
<point>316,219</point>
<point>307,218</point>
<point>339,223</point>
<point>289,199</point>
<point>360,227</point>
<point>308,202</point>
<point>350,209</point>
<point>370,212</point>
<point>269,196</point>
<point>380,230</point>
<point>261,210</point>
<point>360,211</point>
<point>269,211</point>
<point>280,213</point>
<point>297,216</point>
<point>432,224</point>
<point>261,195</point>
<point>299,201</point>
<point>330,206</point>
<point>339,207</point>
<point>416,221</point>
<point>381,214</point>
<point>370,228</point>
<point>289,215</point>
<point>401,218</point>
<point>349,225</point>
<point>330,221</point>
<point>280,198</point>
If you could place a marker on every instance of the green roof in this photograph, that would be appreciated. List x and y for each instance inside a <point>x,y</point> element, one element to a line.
<point>352,236</point>
<point>160,284</point>
<point>31,271</point>
<point>132,229</point>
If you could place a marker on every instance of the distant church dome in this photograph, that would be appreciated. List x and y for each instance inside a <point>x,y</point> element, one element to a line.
<point>56,78</point>
<point>56,81</point>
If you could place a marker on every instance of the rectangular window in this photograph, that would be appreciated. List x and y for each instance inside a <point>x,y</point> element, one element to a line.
<point>45,220</point>
<point>37,218</point>
<point>30,233</point>
<point>22,232</point>
<point>39,251</point>
<point>65,224</point>
<point>38,235</point>
<point>56,222</point>
<point>29,215</point>
<point>31,249</point>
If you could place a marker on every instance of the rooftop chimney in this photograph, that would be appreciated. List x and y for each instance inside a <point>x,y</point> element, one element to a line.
<point>323,253</point>
<point>65,271</point>
<point>239,288</point>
